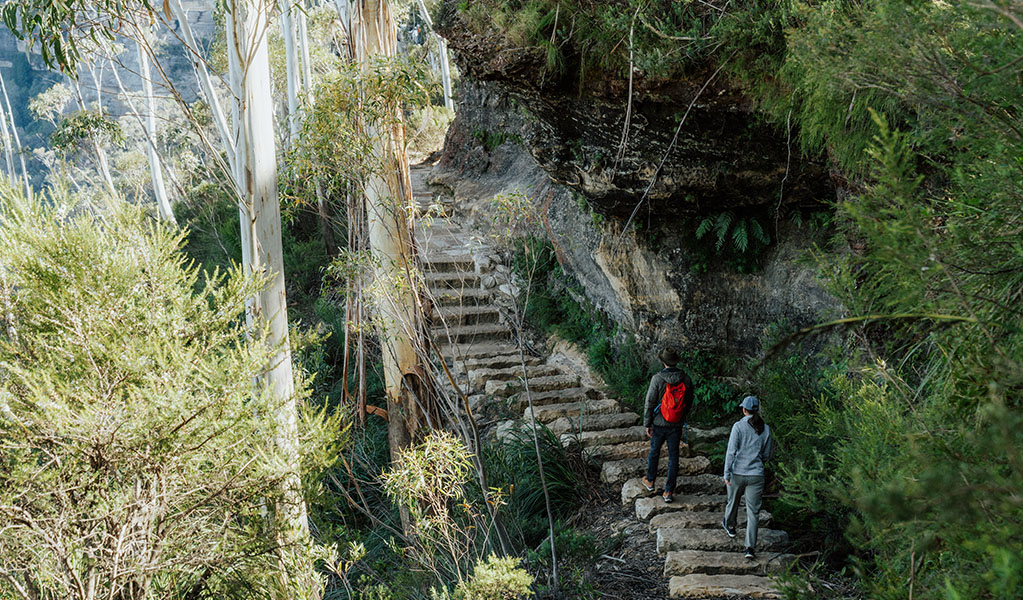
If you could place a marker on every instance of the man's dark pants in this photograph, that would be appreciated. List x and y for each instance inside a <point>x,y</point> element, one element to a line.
<point>672,436</point>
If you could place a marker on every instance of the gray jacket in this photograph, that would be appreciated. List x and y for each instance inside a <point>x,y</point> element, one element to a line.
<point>747,451</point>
<point>656,391</point>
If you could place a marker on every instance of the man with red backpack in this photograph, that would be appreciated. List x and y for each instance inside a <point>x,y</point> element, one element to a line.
<point>668,400</point>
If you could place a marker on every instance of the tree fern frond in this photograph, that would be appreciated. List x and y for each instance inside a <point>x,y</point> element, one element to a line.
<point>740,236</point>
<point>759,233</point>
<point>721,225</point>
<point>704,228</point>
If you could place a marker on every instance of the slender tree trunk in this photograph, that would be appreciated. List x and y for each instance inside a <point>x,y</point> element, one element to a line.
<point>101,155</point>
<point>292,69</point>
<point>5,135</point>
<point>442,54</point>
<point>303,45</point>
<point>227,135</point>
<point>410,402</point>
<point>17,138</point>
<point>155,166</point>
<point>259,206</point>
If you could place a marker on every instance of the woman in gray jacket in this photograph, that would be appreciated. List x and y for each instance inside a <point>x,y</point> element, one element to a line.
<point>749,447</point>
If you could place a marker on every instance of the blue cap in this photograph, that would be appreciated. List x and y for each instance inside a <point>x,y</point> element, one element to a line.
<point>750,403</point>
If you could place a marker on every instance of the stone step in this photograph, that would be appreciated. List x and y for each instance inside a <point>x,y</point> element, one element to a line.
<point>635,449</point>
<point>466,315</point>
<point>550,383</point>
<point>605,437</point>
<point>648,508</point>
<point>688,562</point>
<point>497,361</point>
<point>592,422</point>
<point>576,394</point>
<point>701,520</point>
<point>462,334</point>
<point>479,377</point>
<point>716,540</point>
<point>551,412</point>
<point>448,261</point>
<point>463,297</point>
<point>618,471</point>
<point>706,483</point>
<point>444,280</point>
<point>461,352</point>
<point>722,586</point>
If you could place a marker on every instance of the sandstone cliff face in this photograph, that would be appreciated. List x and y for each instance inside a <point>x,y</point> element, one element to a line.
<point>723,156</point>
<point>560,150</point>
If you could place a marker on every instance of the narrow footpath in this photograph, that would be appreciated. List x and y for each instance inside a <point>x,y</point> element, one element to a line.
<point>701,561</point>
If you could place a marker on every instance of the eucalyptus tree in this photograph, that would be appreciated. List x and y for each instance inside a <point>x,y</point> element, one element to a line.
<point>411,402</point>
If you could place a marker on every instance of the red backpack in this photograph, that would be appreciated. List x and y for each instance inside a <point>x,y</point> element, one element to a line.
<point>673,403</point>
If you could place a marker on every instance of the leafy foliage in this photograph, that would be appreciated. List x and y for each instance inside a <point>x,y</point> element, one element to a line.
<point>497,579</point>
<point>84,126</point>
<point>135,453</point>
<point>747,234</point>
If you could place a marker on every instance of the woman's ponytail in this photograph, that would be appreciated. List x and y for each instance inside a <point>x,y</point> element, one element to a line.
<point>756,421</point>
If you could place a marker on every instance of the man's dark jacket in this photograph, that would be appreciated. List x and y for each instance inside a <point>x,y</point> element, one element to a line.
<point>656,391</point>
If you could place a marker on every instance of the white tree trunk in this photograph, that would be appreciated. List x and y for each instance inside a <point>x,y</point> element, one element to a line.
<point>442,52</point>
<point>292,68</point>
<point>5,135</point>
<point>206,83</point>
<point>303,45</point>
<point>259,205</point>
<point>17,138</point>
<point>388,201</point>
<point>155,166</point>
<point>101,155</point>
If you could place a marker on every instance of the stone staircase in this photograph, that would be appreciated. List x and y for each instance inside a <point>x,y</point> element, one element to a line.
<point>701,561</point>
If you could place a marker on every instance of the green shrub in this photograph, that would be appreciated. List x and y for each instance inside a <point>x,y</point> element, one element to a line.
<point>496,579</point>
<point>129,417</point>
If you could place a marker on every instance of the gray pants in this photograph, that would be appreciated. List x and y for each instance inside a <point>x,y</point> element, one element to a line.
<point>752,488</point>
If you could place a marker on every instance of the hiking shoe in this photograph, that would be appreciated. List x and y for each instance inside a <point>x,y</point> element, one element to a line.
<point>729,530</point>
<point>749,553</point>
<point>667,497</point>
<point>649,485</point>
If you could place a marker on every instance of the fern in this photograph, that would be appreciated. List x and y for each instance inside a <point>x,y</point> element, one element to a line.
<point>759,233</point>
<point>704,228</point>
<point>740,236</point>
<point>722,225</point>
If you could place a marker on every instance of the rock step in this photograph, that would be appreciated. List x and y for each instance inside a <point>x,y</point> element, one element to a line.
<point>563,396</point>
<point>620,451</point>
<point>648,508</point>
<point>466,315</point>
<point>497,361</point>
<point>461,334</point>
<point>462,352</point>
<point>715,540</point>
<point>605,437</point>
<point>451,279</point>
<point>463,297</point>
<point>592,422</point>
<point>706,483</point>
<point>551,412</point>
<point>722,586</point>
<point>479,377</point>
<point>688,562</point>
<point>448,261</point>
<point>701,520</point>
<point>618,471</point>
<point>548,383</point>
